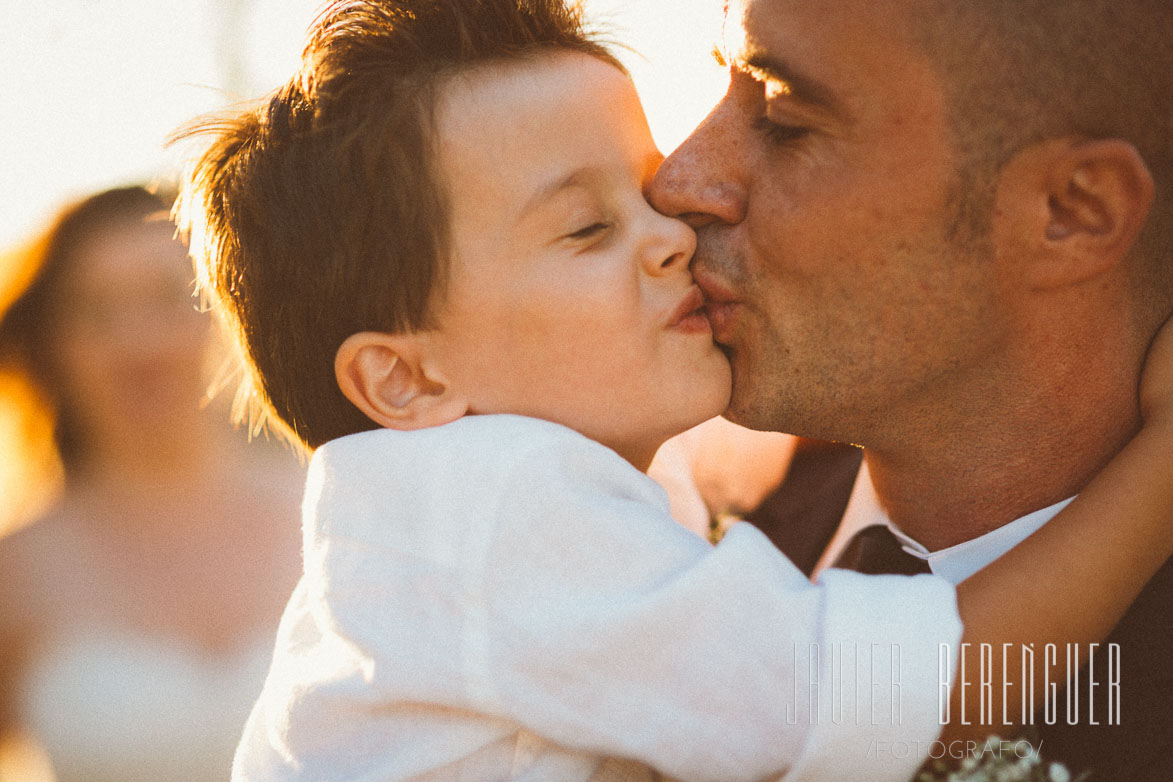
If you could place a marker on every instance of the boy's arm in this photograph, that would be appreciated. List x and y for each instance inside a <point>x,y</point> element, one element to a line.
<point>1072,580</point>
<point>612,630</point>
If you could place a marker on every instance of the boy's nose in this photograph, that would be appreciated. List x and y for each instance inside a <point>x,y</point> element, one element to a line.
<point>675,243</point>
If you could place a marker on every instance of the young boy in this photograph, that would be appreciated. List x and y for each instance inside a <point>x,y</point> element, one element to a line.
<point>437,232</point>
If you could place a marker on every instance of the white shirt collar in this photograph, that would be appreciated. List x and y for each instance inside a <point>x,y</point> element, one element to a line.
<point>954,564</point>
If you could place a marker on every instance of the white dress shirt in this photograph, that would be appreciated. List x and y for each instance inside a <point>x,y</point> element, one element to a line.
<point>954,564</point>
<point>502,598</point>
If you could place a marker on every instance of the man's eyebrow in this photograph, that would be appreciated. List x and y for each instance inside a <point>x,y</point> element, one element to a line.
<point>801,87</point>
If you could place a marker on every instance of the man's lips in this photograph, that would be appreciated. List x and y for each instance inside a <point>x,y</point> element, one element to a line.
<point>689,316</point>
<point>715,291</point>
<point>719,304</point>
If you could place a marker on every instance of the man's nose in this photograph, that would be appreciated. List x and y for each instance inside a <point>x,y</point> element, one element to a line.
<point>703,181</point>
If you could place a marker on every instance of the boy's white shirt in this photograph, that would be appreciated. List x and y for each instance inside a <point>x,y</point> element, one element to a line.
<point>504,598</point>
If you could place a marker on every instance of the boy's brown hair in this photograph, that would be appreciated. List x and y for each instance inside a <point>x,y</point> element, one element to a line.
<point>318,214</point>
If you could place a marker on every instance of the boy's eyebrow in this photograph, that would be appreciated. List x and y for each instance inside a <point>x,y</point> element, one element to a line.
<point>584,176</point>
<point>576,178</point>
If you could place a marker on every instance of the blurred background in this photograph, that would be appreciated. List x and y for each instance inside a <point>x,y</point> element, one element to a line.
<point>138,599</point>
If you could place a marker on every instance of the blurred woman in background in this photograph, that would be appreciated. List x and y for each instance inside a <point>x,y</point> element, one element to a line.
<point>136,615</point>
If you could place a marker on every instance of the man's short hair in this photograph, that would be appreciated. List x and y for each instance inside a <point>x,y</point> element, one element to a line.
<point>318,214</point>
<point>1020,71</point>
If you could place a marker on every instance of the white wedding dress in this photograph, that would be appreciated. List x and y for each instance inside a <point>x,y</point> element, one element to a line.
<point>110,705</point>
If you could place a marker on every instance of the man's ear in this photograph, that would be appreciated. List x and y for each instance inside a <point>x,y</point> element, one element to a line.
<point>387,377</point>
<point>1078,206</point>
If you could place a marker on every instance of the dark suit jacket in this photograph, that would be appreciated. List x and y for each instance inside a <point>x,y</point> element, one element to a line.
<point>801,516</point>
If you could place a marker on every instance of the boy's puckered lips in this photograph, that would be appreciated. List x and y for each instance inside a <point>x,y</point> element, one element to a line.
<point>689,316</point>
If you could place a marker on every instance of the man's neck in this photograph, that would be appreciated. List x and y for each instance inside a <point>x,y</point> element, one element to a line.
<point>990,470</point>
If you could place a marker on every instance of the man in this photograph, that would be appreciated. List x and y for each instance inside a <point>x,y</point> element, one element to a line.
<point>944,231</point>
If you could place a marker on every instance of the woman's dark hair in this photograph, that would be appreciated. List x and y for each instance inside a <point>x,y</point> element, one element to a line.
<point>28,329</point>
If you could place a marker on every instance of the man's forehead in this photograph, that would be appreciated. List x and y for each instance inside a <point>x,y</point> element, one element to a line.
<point>838,42</point>
<point>766,21</point>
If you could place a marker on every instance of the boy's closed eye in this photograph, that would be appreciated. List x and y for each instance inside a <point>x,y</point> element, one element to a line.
<point>593,230</point>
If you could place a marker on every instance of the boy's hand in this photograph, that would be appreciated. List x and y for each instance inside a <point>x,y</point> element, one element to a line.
<point>1156,382</point>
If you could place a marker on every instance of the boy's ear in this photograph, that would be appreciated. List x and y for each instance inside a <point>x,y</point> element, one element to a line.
<point>1079,205</point>
<point>386,377</point>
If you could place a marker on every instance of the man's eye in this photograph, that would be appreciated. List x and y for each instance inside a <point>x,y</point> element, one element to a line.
<point>780,134</point>
<point>591,230</point>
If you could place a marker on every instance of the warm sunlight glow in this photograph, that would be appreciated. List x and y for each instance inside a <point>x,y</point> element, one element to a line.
<point>30,475</point>
<point>93,89</point>
<point>674,69</point>
<point>777,89</point>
